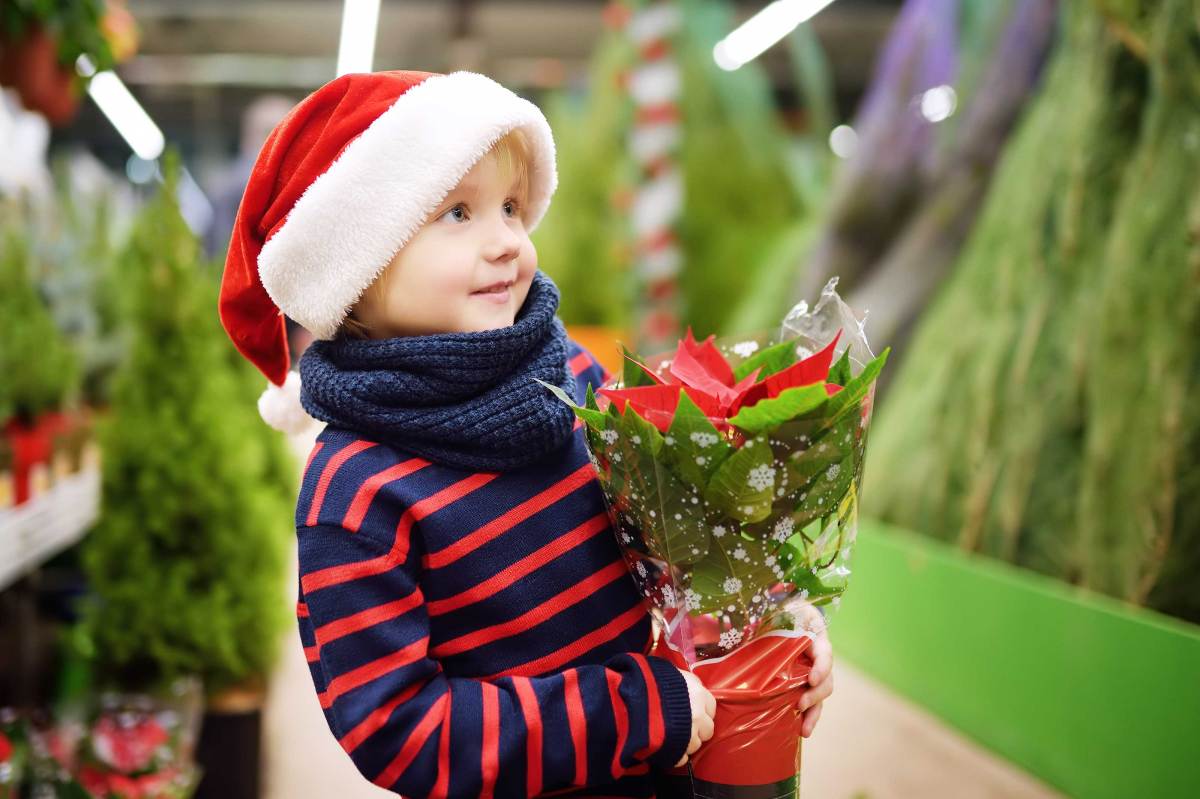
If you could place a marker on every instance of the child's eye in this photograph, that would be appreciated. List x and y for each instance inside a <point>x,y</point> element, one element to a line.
<point>512,208</point>
<point>459,213</point>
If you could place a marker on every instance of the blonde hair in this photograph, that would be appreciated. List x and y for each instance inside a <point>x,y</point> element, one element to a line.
<point>512,152</point>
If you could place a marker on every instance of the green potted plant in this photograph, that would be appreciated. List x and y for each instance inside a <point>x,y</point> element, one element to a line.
<point>40,368</point>
<point>187,564</point>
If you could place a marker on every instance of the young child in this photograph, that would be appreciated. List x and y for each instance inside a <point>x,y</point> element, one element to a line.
<point>470,625</point>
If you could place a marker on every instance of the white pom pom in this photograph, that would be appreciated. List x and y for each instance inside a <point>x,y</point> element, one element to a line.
<point>280,406</point>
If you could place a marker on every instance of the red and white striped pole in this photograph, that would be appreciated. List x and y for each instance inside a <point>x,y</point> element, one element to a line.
<point>653,82</point>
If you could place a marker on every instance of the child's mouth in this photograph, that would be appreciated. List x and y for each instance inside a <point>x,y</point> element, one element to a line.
<point>498,293</point>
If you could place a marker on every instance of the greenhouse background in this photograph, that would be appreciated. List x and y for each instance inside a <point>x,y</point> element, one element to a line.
<point>1009,190</point>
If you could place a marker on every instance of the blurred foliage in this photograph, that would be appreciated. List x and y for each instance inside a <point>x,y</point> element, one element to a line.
<point>40,370</point>
<point>74,24</point>
<point>583,240</point>
<point>1042,415</point>
<point>188,561</point>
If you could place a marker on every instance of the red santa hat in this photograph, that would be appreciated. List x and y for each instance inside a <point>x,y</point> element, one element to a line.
<point>341,184</point>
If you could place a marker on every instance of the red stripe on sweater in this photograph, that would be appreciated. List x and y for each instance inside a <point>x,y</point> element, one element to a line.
<point>442,786</point>
<point>450,494</point>
<point>511,518</point>
<point>622,717</point>
<point>579,363</point>
<point>367,672</point>
<point>598,636</point>
<point>353,623</point>
<point>312,653</point>
<point>490,759</point>
<point>577,721</point>
<point>536,615</point>
<point>301,610</point>
<point>654,710</point>
<point>526,565</point>
<point>377,718</point>
<point>334,575</point>
<point>370,487</point>
<point>413,743</point>
<point>345,572</point>
<point>533,729</point>
<point>344,454</point>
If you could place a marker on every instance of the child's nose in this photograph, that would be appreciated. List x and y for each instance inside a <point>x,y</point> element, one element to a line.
<point>503,244</point>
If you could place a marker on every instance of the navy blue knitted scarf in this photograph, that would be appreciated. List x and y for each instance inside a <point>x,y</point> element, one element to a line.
<point>467,400</point>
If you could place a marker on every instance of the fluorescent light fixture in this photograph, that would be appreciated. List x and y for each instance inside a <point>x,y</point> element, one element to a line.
<point>123,111</point>
<point>762,30</point>
<point>356,50</point>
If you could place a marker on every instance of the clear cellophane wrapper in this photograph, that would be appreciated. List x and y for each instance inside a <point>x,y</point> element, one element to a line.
<point>741,539</point>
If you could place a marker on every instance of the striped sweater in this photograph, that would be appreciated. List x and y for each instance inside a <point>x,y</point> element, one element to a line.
<point>477,634</point>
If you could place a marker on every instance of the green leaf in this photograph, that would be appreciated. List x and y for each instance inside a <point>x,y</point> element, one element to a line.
<point>773,359</point>
<point>694,447</point>
<point>768,414</point>
<point>668,511</point>
<point>839,373</point>
<point>851,395</point>
<point>710,578</point>
<point>634,374</point>
<point>593,418</point>
<point>744,485</point>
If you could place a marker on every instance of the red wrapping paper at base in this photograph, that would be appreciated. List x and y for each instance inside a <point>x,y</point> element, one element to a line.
<point>756,737</point>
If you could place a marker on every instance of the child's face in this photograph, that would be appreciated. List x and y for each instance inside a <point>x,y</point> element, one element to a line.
<point>467,269</point>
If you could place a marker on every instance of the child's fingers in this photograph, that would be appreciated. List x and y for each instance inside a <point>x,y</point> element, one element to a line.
<point>810,720</point>
<point>822,652</point>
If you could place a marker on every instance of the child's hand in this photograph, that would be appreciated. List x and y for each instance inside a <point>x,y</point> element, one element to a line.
<point>704,709</point>
<point>820,678</point>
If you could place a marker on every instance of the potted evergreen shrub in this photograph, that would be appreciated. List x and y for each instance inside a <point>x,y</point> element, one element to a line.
<point>187,564</point>
<point>40,369</point>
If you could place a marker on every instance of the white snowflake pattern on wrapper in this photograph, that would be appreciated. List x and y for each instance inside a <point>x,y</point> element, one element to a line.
<point>641,568</point>
<point>730,638</point>
<point>761,478</point>
<point>783,529</point>
<point>610,436</point>
<point>732,585</point>
<point>691,599</point>
<point>719,530</point>
<point>668,596</point>
<point>745,348</point>
<point>739,554</point>
<point>703,440</point>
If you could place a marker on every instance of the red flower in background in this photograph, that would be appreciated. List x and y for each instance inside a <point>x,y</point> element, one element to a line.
<point>127,747</point>
<point>6,748</point>
<point>701,371</point>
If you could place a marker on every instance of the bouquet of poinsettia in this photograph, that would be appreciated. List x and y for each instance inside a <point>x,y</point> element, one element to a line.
<point>732,472</point>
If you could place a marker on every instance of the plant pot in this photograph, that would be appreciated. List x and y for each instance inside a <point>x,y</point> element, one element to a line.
<point>30,445</point>
<point>230,746</point>
<point>44,85</point>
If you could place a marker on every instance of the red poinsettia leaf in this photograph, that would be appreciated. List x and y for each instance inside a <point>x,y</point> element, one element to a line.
<point>711,406</point>
<point>711,358</point>
<point>812,369</point>
<point>742,391</point>
<point>695,374</point>
<point>832,388</point>
<point>661,399</point>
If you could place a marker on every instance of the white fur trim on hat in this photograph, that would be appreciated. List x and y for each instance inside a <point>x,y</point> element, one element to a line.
<point>353,219</point>
<point>280,406</point>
